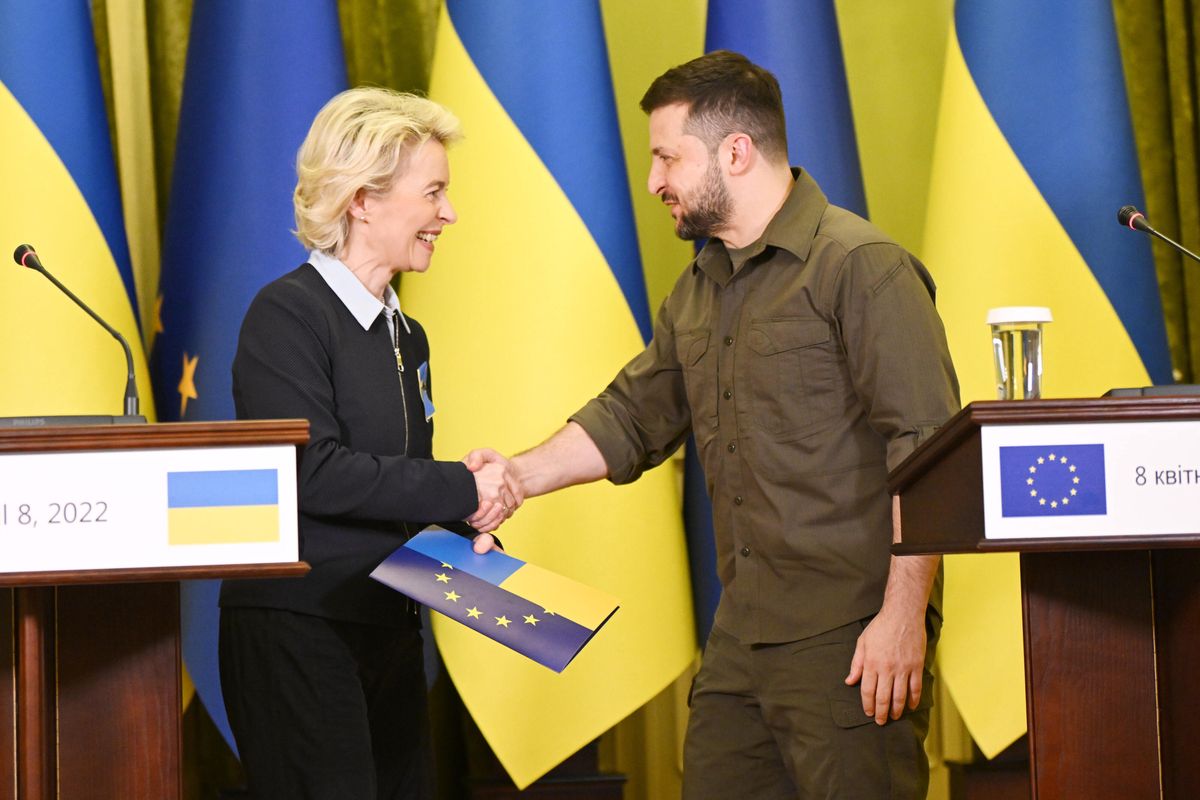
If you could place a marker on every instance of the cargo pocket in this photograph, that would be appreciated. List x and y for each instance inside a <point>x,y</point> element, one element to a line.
<point>699,381</point>
<point>792,375</point>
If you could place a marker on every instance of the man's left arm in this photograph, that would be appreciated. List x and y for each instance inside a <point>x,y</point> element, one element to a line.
<point>900,364</point>
<point>889,660</point>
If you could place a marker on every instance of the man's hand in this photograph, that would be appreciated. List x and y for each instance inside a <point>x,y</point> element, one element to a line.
<point>565,459</point>
<point>889,661</point>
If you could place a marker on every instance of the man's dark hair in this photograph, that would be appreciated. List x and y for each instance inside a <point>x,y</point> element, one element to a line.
<point>725,93</point>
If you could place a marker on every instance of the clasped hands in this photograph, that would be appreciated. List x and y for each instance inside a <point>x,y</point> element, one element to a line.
<point>500,491</point>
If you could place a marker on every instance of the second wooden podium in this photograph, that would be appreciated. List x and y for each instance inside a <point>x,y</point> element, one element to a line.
<point>1102,500</point>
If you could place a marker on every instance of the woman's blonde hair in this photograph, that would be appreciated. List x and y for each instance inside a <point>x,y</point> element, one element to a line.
<point>361,139</point>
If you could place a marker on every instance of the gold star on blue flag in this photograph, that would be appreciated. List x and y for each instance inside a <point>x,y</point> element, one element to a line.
<point>1069,482</point>
<point>509,588</point>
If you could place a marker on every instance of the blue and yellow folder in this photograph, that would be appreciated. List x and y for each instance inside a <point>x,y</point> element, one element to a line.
<point>538,613</point>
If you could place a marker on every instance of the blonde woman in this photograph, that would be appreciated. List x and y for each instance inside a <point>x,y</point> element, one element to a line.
<point>322,675</point>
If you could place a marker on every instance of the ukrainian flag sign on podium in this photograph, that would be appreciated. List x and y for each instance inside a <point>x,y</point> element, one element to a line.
<point>121,507</point>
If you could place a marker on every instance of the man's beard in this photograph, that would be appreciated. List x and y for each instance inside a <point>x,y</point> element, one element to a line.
<point>709,209</point>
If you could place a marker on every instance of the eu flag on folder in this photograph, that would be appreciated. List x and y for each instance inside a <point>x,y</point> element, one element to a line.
<point>1052,480</point>
<point>538,613</point>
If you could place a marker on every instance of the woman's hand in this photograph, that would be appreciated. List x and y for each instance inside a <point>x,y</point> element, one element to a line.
<point>500,492</point>
<point>485,542</point>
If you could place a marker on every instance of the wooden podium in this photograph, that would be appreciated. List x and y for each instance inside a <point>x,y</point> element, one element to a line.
<point>1110,591</point>
<point>91,651</point>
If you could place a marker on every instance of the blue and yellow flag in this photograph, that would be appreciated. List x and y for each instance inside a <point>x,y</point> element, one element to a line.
<point>61,196</point>
<point>1034,155</point>
<point>227,506</point>
<point>538,613</point>
<point>534,301</point>
<point>254,80</point>
<point>798,42</point>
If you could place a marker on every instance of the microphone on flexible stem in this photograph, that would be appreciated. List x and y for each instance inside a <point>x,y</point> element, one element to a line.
<point>1135,220</point>
<point>27,257</point>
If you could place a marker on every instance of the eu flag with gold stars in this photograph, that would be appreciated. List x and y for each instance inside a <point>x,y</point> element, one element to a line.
<point>538,613</point>
<point>1052,480</point>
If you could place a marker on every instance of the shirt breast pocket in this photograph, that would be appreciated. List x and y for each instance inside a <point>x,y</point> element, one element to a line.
<point>697,361</point>
<point>793,375</point>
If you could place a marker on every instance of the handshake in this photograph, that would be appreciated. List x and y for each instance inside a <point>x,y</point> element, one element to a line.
<point>499,488</point>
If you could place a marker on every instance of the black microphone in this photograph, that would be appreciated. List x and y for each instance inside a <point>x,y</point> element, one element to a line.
<point>27,257</point>
<point>1135,220</point>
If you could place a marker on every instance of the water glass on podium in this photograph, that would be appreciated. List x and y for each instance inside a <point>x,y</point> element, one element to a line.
<point>1017,350</point>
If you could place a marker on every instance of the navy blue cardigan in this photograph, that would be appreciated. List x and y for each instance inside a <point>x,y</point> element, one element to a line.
<point>363,488</point>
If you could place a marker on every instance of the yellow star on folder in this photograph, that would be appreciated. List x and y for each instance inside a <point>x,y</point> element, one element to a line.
<point>473,612</point>
<point>530,619</point>
<point>503,621</point>
<point>442,577</point>
<point>187,384</point>
<point>452,596</point>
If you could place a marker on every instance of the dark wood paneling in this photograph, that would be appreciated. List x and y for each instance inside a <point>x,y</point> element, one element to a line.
<point>576,778</point>
<point>1004,777</point>
<point>1177,637</point>
<point>36,719</point>
<point>118,691</point>
<point>8,697</point>
<point>1089,663</point>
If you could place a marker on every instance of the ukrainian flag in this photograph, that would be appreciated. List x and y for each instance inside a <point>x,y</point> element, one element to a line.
<point>798,41</point>
<point>232,506</point>
<point>534,301</point>
<point>60,195</point>
<point>1034,154</point>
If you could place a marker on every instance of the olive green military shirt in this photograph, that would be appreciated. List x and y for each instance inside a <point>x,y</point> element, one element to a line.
<point>806,375</point>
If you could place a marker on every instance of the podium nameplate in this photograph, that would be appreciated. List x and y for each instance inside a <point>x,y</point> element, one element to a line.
<point>1043,481</point>
<point>130,509</point>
